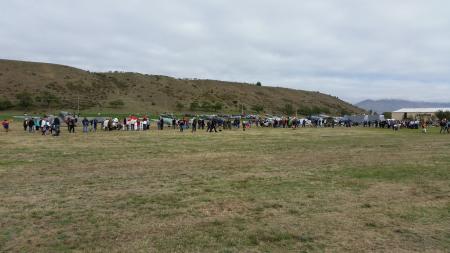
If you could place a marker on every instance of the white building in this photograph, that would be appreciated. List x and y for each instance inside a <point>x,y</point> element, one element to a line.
<point>417,113</point>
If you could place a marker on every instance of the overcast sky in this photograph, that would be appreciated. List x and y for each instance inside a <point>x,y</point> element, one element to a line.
<point>354,49</point>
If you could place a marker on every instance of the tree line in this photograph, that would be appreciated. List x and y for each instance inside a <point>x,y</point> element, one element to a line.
<point>25,100</point>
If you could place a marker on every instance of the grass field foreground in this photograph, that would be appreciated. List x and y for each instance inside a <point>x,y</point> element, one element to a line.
<point>262,190</point>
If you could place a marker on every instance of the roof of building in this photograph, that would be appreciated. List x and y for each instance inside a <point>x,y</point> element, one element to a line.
<point>422,110</point>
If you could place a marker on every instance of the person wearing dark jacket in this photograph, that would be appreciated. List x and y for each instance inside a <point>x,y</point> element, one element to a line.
<point>71,124</point>
<point>56,127</point>
<point>161,123</point>
<point>194,125</point>
<point>181,124</point>
<point>213,125</point>
<point>85,123</point>
<point>31,125</point>
<point>94,124</point>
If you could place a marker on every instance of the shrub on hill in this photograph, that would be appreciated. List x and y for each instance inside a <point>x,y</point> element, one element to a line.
<point>116,103</point>
<point>5,104</point>
<point>288,109</point>
<point>257,108</point>
<point>194,106</point>
<point>179,106</point>
<point>25,100</point>
<point>47,98</point>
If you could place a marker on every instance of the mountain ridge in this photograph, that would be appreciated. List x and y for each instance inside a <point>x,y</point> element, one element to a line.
<point>58,86</point>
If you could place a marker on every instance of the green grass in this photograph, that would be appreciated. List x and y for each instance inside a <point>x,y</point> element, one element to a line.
<point>263,190</point>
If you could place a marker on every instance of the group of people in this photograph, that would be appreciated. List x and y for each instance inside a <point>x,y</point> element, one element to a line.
<point>51,125</point>
<point>131,123</point>
<point>44,125</point>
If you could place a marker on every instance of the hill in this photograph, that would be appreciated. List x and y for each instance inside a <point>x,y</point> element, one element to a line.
<point>390,105</point>
<point>57,87</point>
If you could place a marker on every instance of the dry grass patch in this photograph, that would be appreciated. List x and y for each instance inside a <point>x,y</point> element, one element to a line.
<point>263,190</point>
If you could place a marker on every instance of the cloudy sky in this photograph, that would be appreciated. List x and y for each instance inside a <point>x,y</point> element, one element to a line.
<point>354,49</point>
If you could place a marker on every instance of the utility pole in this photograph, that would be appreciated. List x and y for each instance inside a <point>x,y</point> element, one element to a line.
<point>78,106</point>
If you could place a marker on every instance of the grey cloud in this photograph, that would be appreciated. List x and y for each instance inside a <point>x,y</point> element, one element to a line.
<point>353,49</point>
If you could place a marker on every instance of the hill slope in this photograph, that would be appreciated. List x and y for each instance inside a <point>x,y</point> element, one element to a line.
<point>390,105</point>
<point>61,87</point>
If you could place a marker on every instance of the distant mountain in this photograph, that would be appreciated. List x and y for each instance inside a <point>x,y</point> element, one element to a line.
<point>389,105</point>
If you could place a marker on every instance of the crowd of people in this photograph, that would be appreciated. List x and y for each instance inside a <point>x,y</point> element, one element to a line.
<point>49,125</point>
<point>45,125</point>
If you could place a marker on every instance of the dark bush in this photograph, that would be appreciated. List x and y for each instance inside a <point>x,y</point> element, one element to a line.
<point>116,103</point>
<point>5,104</point>
<point>25,100</point>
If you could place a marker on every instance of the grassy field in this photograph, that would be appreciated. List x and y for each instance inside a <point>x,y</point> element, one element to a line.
<point>263,190</point>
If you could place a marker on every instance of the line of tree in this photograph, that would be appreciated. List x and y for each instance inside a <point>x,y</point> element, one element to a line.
<point>257,108</point>
<point>26,100</point>
<point>443,115</point>
<point>314,110</point>
<point>118,103</point>
<point>47,99</point>
<point>387,115</point>
<point>5,104</point>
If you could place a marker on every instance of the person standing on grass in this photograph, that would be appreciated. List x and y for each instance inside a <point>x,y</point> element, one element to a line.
<point>144,124</point>
<point>149,122</point>
<point>5,124</point>
<point>424,126</point>
<point>94,125</point>
<point>71,124</point>
<point>25,124</point>
<point>443,126</point>
<point>56,127</point>
<point>194,125</point>
<point>161,123</point>
<point>48,126</point>
<point>208,125</point>
<point>181,124</point>
<point>85,123</point>
<point>213,125</point>
<point>43,126</point>
<point>30,125</point>
<point>36,124</point>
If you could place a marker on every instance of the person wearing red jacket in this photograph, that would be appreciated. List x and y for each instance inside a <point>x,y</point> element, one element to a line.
<point>5,125</point>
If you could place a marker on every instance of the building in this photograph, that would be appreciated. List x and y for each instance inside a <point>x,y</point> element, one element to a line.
<point>417,113</point>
